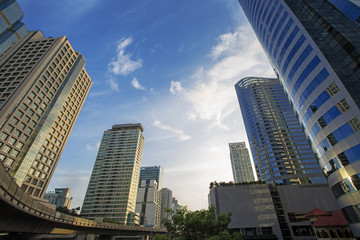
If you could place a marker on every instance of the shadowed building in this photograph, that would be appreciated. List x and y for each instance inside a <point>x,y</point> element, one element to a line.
<point>113,185</point>
<point>241,163</point>
<point>43,85</point>
<point>270,211</point>
<point>166,203</point>
<point>314,47</point>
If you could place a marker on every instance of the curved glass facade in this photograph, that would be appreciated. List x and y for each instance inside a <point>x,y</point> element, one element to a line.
<point>315,50</point>
<point>278,144</point>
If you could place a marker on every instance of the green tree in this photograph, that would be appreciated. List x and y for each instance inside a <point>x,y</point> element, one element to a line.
<point>73,211</point>
<point>162,237</point>
<point>199,225</point>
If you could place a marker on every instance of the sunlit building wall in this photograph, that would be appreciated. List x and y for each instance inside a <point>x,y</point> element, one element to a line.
<point>314,47</point>
<point>113,185</point>
<point>278,144</point>
<point>241,163</point>
<point>43,85</point>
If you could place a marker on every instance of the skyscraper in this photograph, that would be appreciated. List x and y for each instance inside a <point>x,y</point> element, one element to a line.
<point>151,173</point>
<point>241,163</point>
<point>115,177</point>
<point>279,147</point>
<point>43,85</point>
<point>11,27</point>
<point>166,203</point>
<point>314,47</point>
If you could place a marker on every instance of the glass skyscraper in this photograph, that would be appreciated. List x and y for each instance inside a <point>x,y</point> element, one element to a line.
<point>43,85</point>
<point>151,173</point>
<point>241,163</point>
<point>113,185</point>
<point>11,27</point>
<point>278,144</point>
<point>314,47</point>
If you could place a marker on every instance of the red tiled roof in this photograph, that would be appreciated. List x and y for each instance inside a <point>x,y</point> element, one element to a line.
<point>337,218</point>
<point>317,212</point>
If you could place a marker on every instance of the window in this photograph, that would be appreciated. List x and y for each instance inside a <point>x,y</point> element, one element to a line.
<point>3,136</point>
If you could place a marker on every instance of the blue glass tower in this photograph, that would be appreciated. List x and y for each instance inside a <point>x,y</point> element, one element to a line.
<point>314,47</point>
<point>151,173</point>
<point>278,144</point>
<point>11,27</point>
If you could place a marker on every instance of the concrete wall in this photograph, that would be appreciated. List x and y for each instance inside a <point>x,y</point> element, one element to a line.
<point>251,206</point>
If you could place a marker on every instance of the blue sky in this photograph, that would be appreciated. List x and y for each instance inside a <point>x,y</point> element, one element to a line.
<point>170,65</point>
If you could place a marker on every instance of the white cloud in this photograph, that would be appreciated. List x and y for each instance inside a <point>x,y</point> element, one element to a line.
<point>178,132</point>
<point>175,87</point>
<point>93,148</point>
<point>212,94</point>
<point>135,83</point>
<point>113,83</point>
<point>122,64</point>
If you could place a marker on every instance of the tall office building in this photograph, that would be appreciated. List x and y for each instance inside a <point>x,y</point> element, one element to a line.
<point>166,203</point>
<point>114,180</point>
<point>241,163</point>
<point>151,173</point>
<point>43,85</point>
<point>278,144</point>
<point>11,27</point>
<point>314,47</point>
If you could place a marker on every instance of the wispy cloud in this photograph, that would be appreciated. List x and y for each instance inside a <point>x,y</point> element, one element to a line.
<point>175,87</point>
<point>212,95</point>
<point>122,64</point>
<point>113,83</point>
<point>135,83</point>
<point>178,132</point>
<point>92,148</point>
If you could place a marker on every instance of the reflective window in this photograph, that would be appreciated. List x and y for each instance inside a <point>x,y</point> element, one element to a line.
<point>294,50</point>
<point>311,87</point>
<point>309,68</point>
<point>325,119</point>
<point>287,44</point>
<point>347,185</point>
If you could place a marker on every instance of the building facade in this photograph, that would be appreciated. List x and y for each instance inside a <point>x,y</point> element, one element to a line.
<point>270,211</point>
<point>241,163</point>
<point>278,144</point>
<point>11,27</point>
<point>43,87</point>
<point>60,197</point>
<point>148,204</point>
<point>166,203</point>
<point>113,185</point>
<point>315,49</point>
<point>151,173</point>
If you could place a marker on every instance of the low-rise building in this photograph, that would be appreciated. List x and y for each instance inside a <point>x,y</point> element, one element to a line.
<point>266,211</point>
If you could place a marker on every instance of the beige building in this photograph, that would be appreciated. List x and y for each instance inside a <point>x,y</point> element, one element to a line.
<point>241,163</point>
<point>113,185</point>
<point>43,85</point>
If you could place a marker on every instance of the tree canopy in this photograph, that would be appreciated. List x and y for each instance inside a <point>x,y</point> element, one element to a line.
<point>199,225</point>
